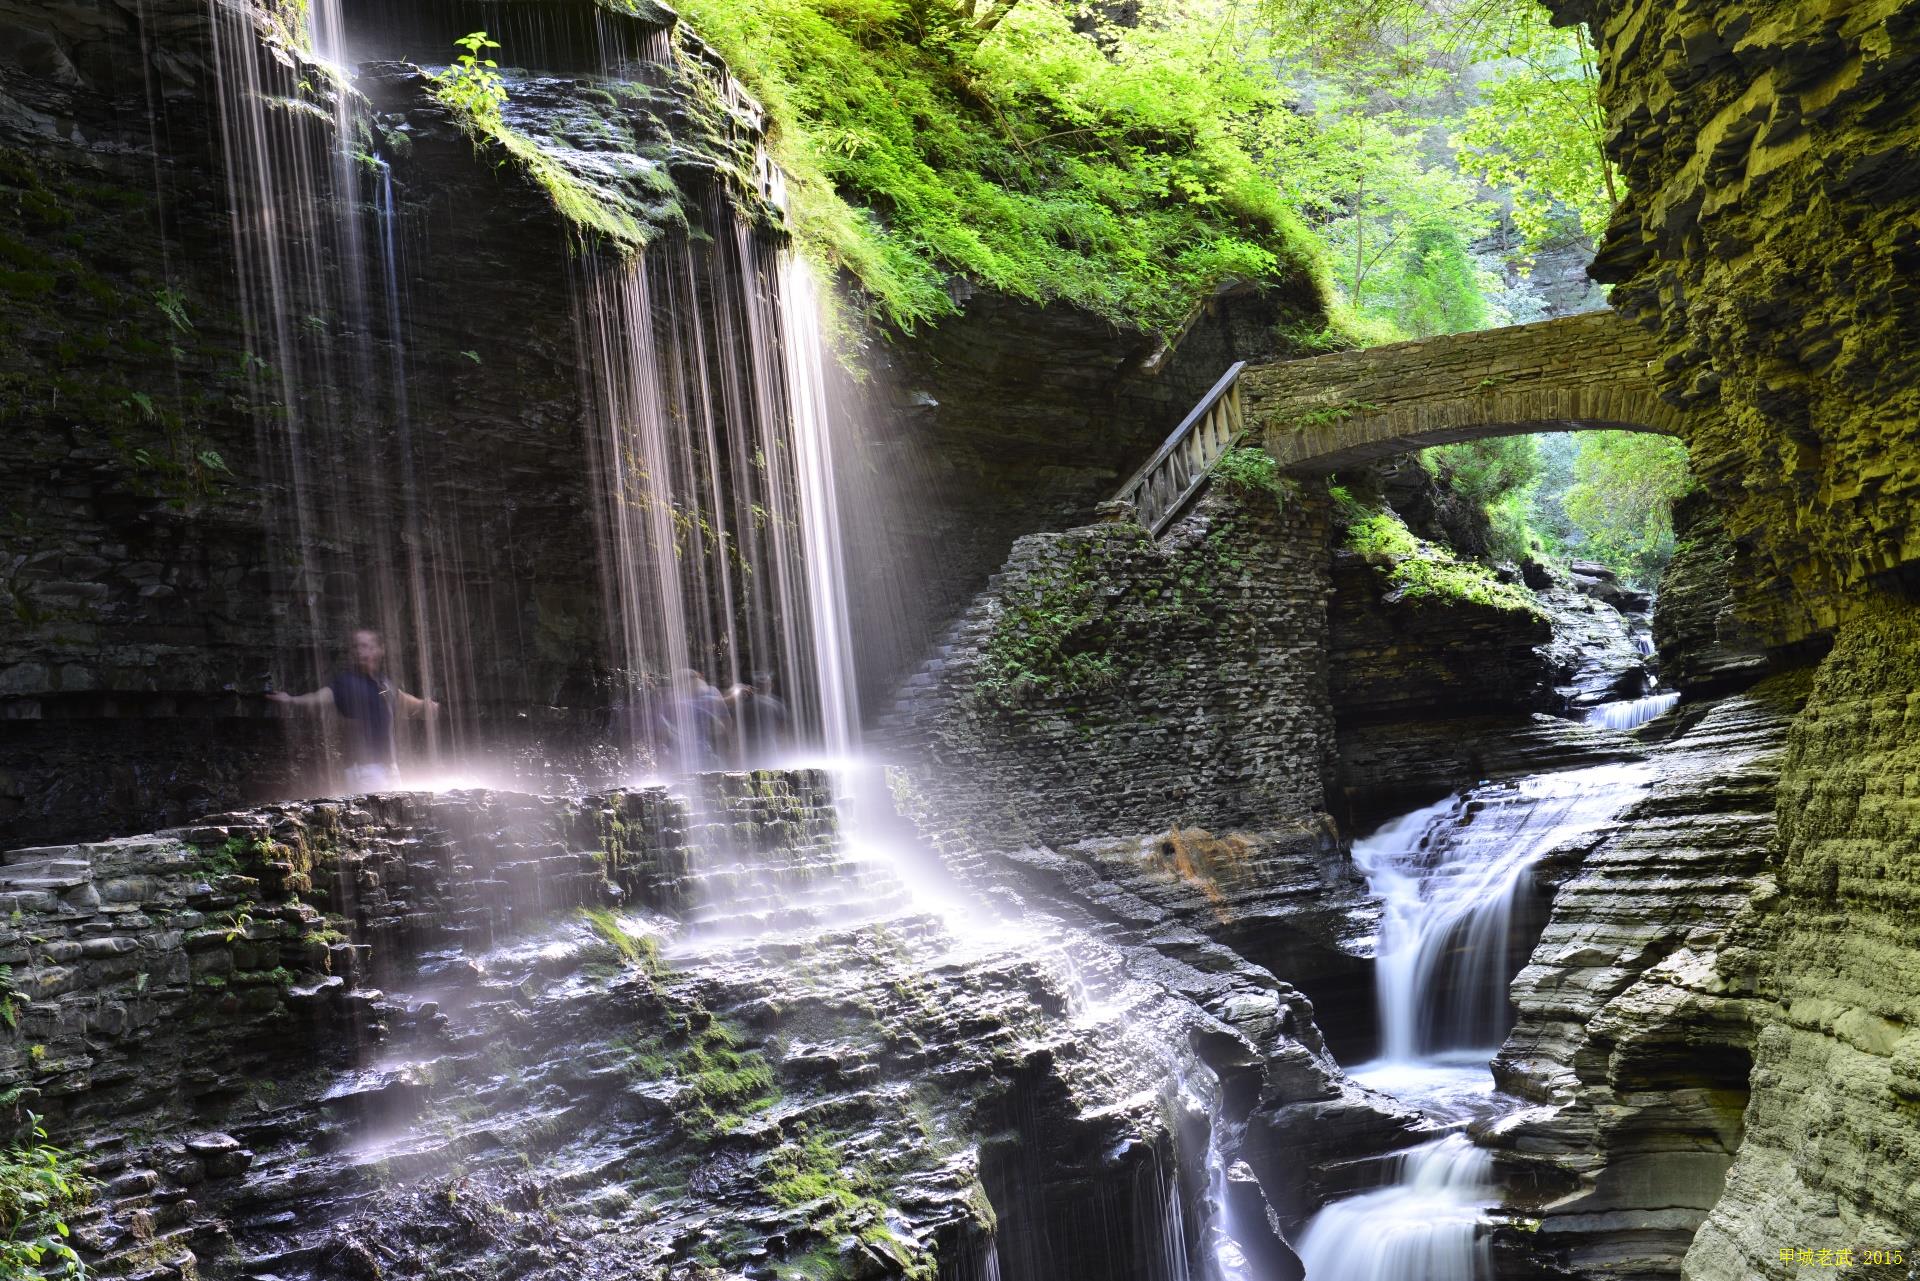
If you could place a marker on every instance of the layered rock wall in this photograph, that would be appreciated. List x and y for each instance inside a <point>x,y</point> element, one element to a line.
<point>1705,646</point>
<point>1832,1132</point>
<point>1769,247</point>
<point>1109,683</point>
<point>158,448</point>
<point>1635,1015</point>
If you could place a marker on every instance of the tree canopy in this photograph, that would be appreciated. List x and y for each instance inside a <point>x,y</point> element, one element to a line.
<point>1129,158</point>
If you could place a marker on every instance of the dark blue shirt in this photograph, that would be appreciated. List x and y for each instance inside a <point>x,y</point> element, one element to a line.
<point>366,703</point>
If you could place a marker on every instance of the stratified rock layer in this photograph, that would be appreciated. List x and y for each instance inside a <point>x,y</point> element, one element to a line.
<point>1636,1011</point>
<point>1770,246</point>
<point>1704,645</point>
<point>1833,1134</point>
<point>1109,683</point>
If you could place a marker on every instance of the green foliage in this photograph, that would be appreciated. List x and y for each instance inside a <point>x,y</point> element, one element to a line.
<point>1439,288</point>
<point>1369,181</point>
<point>1038,149</point>
<point>1484,471</point>
<point>722,1081</point>
<point>473,89</point>
<point>1420,571</point>
<point>1538,131</point>
<point>1498,476</point>
<point>1621,500</point>
<point>1413,103</point>
<point>39,1188</point>
<point>1248,470</point>
<point>473,85</point>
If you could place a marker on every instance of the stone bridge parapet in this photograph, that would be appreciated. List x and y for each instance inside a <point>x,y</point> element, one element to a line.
<point>1582,372</point>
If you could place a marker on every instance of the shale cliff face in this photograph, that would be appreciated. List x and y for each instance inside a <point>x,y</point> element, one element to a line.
<point>1636,1013</point>
<point>155,449</point>
<point>1770,244</point>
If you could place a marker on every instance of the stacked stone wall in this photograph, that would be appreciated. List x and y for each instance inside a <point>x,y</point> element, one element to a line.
<point>1173,682</point>
<point>1582,371</point>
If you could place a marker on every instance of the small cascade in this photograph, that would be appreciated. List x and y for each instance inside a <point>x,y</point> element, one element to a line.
<point>1424,1226</point>
<point>1632,713</point>
<point>1451,878</point>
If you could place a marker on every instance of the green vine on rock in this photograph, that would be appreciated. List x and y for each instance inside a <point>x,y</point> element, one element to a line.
<point>1249,470</point>
<point>39,1188</point>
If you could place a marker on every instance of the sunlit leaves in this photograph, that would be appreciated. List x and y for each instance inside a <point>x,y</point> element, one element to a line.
<point>1621,502</point>
<point>1025,146</point>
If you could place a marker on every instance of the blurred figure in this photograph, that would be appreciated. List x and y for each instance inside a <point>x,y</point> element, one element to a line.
<point>696,723</point>
<point>759,720</point>
<point>364,697</point>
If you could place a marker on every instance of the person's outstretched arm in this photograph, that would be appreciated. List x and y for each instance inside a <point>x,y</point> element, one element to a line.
<point>415,707</point>
<point>322,697</point>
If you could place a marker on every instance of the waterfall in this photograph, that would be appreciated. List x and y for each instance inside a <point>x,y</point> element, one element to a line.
<point>718,530</point>
<point>1450,878</point>
<point>320,261</point>
<point>1422,1227</point>
<point>708,447</point>
<point>1632,713</point>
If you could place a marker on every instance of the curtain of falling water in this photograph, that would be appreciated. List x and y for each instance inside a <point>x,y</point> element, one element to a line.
<point>711,439</point>
<point>325,323</point>
<point>718,530</point>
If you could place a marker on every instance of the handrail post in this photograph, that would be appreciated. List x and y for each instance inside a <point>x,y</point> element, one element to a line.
<point>1179,468</point>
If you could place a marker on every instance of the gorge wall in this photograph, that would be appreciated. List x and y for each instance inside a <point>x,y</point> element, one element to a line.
<point>154,453</point>
<point>1769,246</point>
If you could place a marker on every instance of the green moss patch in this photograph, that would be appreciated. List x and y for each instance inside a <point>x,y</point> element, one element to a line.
<point>1419,571</point>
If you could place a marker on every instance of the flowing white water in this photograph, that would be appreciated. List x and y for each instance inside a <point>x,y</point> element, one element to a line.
<point>1450,878</point>
<point>1422,1227</point>
<point>1632,713</point>
<point>718,526</point>
<point>711,433</point>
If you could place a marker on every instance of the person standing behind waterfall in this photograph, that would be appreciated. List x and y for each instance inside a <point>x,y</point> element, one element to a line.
<point>367,700</point>
<point>759,721</point>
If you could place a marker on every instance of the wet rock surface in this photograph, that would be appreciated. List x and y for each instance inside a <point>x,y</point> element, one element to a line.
<point>379,1037</point>
<point>1636,1011</point>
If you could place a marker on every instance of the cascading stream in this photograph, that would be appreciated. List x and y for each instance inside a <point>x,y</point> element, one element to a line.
<point>1452,879</point>
<point>1634,712</point>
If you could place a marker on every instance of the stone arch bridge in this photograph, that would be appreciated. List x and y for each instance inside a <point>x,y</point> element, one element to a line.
<point>1582,372</point>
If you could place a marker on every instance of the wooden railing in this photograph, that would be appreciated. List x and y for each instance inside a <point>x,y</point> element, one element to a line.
<point>1160,490</point>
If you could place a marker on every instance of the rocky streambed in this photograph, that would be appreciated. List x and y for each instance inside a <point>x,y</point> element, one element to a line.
<point>639,1034</point>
